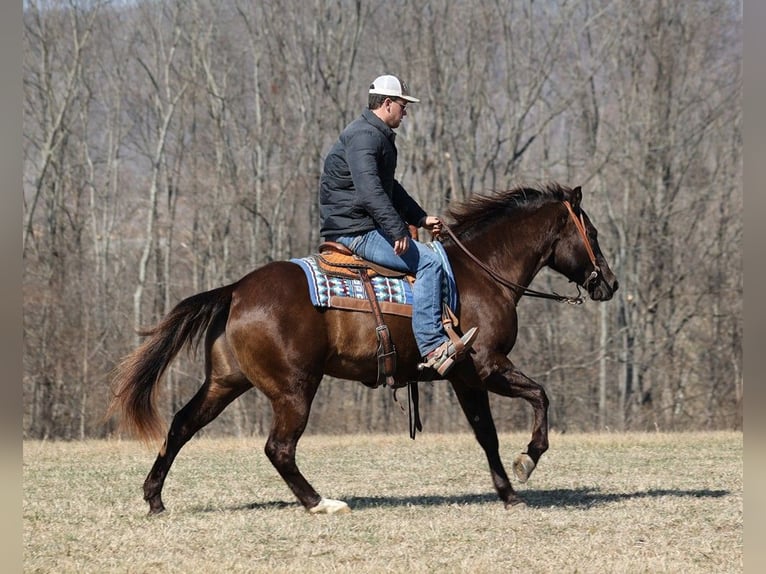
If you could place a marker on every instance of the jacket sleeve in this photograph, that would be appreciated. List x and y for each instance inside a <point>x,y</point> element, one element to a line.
<point>407,206</point>
<point>361,154</point>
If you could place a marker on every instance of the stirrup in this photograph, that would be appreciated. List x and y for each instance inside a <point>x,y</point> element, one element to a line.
<point>444,357</point>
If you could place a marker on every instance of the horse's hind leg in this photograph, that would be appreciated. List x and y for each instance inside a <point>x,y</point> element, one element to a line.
<point>205,406</point>
<point>291,413</point>
<point>223,383</point>
<point>475,405</point>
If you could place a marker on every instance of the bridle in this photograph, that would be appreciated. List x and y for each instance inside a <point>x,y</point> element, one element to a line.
<point>579,225</point>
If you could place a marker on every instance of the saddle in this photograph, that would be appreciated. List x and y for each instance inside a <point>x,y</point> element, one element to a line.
<point>337,259</point>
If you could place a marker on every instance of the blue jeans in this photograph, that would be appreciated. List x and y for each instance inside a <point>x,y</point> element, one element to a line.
<point>426,293</point>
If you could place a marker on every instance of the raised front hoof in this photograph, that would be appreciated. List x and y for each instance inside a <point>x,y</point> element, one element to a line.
<point>523,465</point>
<point>330,506</point>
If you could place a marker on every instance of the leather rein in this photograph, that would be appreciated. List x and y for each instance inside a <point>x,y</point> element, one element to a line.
<point>579,224</point>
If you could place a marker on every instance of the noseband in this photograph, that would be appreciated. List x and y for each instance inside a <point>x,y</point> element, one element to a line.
<point>580,225</point>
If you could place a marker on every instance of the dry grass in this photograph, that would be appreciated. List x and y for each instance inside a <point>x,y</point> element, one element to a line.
<point>597,503</point>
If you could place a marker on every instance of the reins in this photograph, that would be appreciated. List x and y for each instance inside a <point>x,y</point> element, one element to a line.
<point>579,224</point>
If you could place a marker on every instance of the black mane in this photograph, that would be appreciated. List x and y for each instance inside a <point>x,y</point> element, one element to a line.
<point>480,210</point>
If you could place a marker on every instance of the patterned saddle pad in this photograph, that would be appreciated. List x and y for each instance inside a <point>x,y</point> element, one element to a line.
<point>394,294</point>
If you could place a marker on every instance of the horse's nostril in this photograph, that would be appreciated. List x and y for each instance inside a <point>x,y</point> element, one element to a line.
<point>616,285</point>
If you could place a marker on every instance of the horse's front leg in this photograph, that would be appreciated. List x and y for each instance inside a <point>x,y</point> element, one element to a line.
<point>475,405</point>
<point>511,382</point>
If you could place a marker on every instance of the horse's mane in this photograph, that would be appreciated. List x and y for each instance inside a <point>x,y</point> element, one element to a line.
<point>479,210</point>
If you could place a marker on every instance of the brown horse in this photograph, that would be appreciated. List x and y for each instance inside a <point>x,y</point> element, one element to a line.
<point>263,331</point>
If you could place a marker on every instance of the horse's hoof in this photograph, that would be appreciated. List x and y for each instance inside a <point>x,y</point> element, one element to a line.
<point>523,465</point>
<point>156,511</point>
<point>515,504</point>
<point>330,506</point>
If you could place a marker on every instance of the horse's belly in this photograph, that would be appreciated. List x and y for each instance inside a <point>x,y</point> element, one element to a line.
<point>353,345</point>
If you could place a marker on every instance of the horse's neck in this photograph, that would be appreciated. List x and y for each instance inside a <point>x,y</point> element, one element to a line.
<point>516,249</point>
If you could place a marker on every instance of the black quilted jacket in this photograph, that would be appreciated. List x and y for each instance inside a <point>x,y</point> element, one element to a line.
<point>358,191</point>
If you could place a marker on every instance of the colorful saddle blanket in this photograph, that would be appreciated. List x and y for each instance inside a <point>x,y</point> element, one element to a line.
<point>393,293</point>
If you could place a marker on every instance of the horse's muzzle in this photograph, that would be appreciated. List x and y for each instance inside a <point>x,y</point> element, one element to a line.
<point>600,289</point>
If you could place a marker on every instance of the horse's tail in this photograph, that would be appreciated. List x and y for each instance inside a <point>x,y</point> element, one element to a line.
<point>136,377</point>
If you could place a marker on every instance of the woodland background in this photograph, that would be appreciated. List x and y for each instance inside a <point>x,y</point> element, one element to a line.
<point>171,147</point>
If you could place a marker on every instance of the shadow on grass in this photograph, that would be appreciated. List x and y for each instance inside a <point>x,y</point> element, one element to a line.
<point>562,497</point>
<point>557,498</point>
<point>591,497</point>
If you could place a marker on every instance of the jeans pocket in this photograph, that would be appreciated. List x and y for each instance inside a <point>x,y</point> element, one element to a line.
<point>356,243</point>
<point>353,242</point>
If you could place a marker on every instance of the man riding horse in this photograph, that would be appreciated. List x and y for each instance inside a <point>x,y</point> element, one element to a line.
<point>363,206</point>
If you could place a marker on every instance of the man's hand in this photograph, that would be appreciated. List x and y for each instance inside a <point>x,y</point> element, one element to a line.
<point>401,245</point>
<point>433,224</point>
<point>430,222</point>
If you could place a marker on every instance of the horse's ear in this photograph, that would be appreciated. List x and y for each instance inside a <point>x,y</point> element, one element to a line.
<point>576,197</point>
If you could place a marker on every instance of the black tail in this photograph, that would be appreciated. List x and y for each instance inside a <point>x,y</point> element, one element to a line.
<point>136,377</point>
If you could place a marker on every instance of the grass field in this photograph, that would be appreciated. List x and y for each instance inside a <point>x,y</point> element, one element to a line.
<point>596,503</point>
